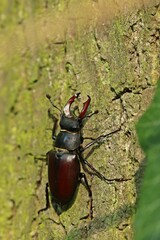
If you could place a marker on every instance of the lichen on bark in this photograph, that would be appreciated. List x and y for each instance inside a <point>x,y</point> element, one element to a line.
<point>115,61</point>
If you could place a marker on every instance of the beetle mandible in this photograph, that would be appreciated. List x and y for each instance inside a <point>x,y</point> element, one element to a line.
<point>64,164</point>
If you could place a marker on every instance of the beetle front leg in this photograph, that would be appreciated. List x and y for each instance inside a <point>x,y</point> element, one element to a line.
<point>84,181</point>
<point>91,114</point>
<point>55,120</point>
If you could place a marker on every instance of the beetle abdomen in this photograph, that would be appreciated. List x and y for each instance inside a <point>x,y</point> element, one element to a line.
<point>63,176</point>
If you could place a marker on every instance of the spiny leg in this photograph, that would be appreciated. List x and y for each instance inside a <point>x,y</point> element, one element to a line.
<point>94,171</point>
<point>49,98</point>
<point>48,206</point>
<point>97,173</point>
<point>55,121</point>
<point>50,115</point>
<point>37,157</point>
<point>47,200</point>
<point>91,114</point>
<point>98,139</point>
<point>41,157</point>
<point>84,181</point>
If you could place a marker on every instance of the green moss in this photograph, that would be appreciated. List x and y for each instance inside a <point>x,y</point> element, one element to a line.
<point>98,61</point>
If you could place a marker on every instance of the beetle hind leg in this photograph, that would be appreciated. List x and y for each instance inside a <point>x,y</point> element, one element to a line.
<point>84,181</point>
<point>47,200</point>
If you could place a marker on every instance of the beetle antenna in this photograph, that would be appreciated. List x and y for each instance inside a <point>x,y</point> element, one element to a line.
<point>90,115</point>
<point>49,98</point>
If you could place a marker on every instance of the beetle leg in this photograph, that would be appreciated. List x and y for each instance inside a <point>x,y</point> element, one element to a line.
<point>41,157</point>
<point>98,174</point>
<point>98,139</point>
<point>84,181</point>
<point>38,157</point>
<point>95,171</point>
<point>47,200</point>
<point>49,97</point>
<point>55,120</point>
<point>91,114</point>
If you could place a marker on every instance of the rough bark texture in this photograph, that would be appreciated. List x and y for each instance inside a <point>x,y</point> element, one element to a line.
<point>115,61</point>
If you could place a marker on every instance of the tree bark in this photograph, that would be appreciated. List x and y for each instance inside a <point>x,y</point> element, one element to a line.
<point>114,59</point>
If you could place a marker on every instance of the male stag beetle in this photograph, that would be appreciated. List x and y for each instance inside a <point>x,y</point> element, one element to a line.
<point>64,164</point>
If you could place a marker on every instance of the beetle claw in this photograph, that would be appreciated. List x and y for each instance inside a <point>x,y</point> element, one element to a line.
<point>66,108</point>
<point>82,114</point>
<point>85,107</point>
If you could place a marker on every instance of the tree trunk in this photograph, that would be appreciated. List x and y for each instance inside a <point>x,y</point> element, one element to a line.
<point>61,48</point>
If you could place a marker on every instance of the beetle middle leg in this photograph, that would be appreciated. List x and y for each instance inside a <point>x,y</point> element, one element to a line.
<point>98,139</point>
<point>84,181</point>
<point>94,171</point>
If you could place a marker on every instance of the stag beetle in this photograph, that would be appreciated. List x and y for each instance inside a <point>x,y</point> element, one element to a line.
<point>64,164</point>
